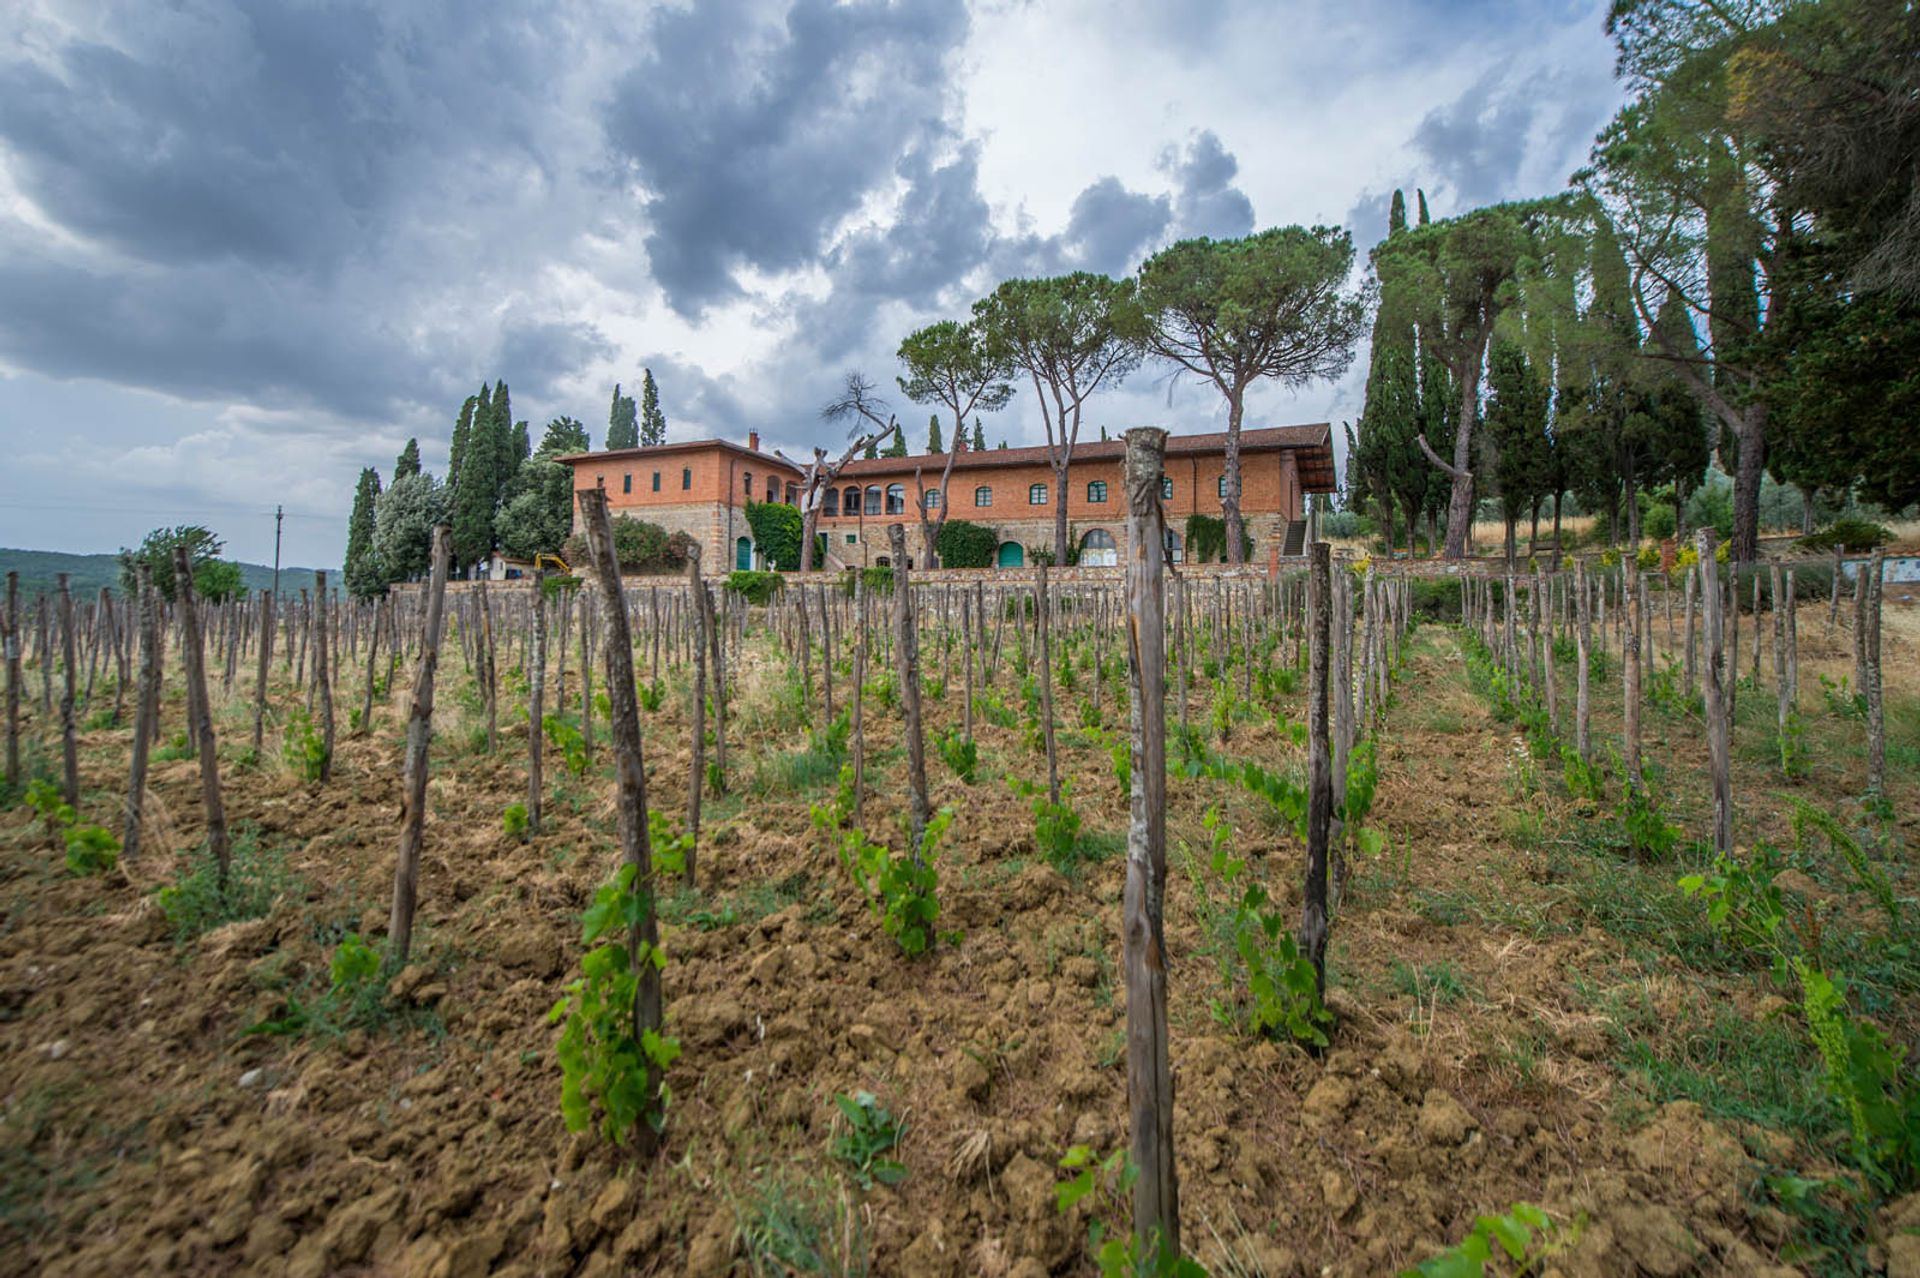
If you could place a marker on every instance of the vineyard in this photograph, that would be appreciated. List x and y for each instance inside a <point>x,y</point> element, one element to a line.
<point>1344,920</point>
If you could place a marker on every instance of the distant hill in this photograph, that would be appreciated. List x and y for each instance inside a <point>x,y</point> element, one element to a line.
<point>37,569</point>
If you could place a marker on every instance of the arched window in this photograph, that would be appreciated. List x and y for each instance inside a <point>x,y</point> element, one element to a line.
<point>850,502</point>
<point>933,498</point>
<point>983,496</point>
<point>792,492</point>
<point>1036,494</point>
<point>1097,549</point>
<point>873,499</point>
<point>1166,490</point>
<point>773,488</point>
<point>830,503</point>
<point>1097,492</point>
<point>896,499</point>
<point>686,478</point>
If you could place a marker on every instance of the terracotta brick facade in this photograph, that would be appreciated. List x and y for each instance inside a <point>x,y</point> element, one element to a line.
<point>702,488</point>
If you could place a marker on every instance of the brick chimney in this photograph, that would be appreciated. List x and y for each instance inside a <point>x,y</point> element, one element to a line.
<point>753,441</point>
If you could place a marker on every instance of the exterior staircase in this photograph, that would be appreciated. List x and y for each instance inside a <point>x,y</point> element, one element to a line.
<point>1296,542</point>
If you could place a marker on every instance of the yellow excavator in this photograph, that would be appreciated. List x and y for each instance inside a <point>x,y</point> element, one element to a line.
<point>553,561</point>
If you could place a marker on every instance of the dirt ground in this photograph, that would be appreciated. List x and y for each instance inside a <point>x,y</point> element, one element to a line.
<point>1525,1013</point>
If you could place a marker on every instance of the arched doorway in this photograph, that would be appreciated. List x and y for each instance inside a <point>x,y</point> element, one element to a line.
<point>1097,549</point>
<point>743,554</point>
<point>1012,555</point>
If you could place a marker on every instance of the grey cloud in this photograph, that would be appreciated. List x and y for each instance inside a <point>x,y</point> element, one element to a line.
<point>1478,141</point>
<point>540,354</point>
<point>198,334</point>
<point>1206,201</point>
<point>1110,227</point>
<point>753,141</point>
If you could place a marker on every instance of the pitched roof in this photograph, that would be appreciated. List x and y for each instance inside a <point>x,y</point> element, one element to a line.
<point>1315,440</point>
<point>681,446</point>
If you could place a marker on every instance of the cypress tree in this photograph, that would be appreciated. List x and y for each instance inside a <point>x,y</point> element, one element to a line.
<point>934,443</point>
<point>1514,432</point>
<point>364,577</point>
<point>653,422</point>
<point>408,462</point>
<point>1424,219</point>
<point>898,448</point>
<point>1397,214</point>
<point>979,437</point>
<point>623,422</point>
<point>522,443</point>
<point>870,454</point>
<point>462,432</point>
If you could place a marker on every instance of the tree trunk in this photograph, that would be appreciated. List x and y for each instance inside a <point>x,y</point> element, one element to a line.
<point>413,785</point>
<point>1630,674</point>
<point>1752,435</point>
<point>1156,1191</point>
<point>194,658</point>
<point>373,653</point>
<point>1870,679</point>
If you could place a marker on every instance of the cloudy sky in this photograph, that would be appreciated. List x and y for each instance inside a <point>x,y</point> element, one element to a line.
<point>250,246</point>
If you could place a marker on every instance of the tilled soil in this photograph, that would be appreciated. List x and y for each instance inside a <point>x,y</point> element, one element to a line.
<point>1472,1065</point>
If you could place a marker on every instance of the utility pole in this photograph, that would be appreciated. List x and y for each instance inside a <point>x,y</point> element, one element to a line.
<point>279,513</point>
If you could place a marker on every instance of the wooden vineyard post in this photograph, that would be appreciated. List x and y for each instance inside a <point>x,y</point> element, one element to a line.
<point>859,694</point>
<point>1342,695</point>
<point>260,670</point>
<point>1582,702</point>
<point>10,638</point>
<point>413,785</point>
<point>703,600</point>
<point>69,746</point>
<point>697,716</point>
<point>586,683</point>
<point>201,714</point>
<point>966,658</point>
<point>1719,745</point>
<point>1547,673</point>
<point>1156,1191</point>
<point>1782,694</point>
<point>1042,608</point>
<point>373,651</point>
<point>906,657</point>
<point>1870,679</point>
<point>1630,671</point>
<point>488,675</point>
<point>536,700</point>
<point>631,769</point>
<point>1313,910</point>
<point>145,710</point>
<point>323,674</point>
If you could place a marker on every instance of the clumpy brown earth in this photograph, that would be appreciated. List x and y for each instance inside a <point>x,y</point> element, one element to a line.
<point>1525,1013</point>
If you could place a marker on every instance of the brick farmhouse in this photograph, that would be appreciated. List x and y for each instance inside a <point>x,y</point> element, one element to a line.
<point>703,487</point>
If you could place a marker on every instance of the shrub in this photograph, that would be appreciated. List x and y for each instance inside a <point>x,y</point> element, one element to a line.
<point>1056,826</point>
<point>961,754</point>
<point>639,546</point>
<point>1274,989</point>
<point>963,544</point>
<point>1515,1233</point>
<point>1856,536</point>
<point>514,821</point>
<point>1207,540</point>
<point>755,587</point>
<point>1659,522</point>
<point>902,894</point>
<point>877,580</point>
<point>91,850</point>
<point>305,749</point>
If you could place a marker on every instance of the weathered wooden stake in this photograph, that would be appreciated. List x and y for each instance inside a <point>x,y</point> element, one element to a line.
<point>323,674</point>
<point>69,743</point>
<point>1156,1191</point>
<point>413,786</point>
<point>194,658</point>
<point>145,710</point>
<point>906,655</point>
<point>536,701</point>
<point>1719,711</point>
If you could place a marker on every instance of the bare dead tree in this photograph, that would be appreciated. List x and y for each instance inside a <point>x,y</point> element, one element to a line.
<point>857,403</point>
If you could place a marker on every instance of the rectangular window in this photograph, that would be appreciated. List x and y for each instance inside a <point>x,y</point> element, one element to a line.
<point>626,482</point>
<point>1223,487</point>
<point>686,478</point>
<point>1097,492</point>
<point>1036,494</point>
<point>853,539</point>
<point>983,496</point>
<point>656,481</point>
<point>933,499</point>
